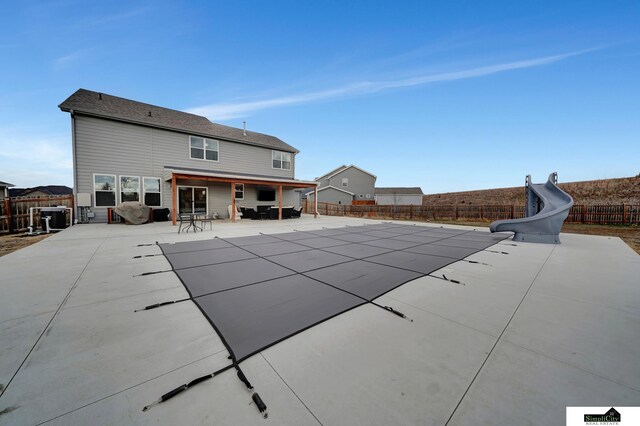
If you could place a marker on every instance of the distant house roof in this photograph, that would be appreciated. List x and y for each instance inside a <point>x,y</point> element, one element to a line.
<point>414,190</point>
<point>47,189</point>
<point>6,185</point>
<point>342,168</point>
<point>112,107</point>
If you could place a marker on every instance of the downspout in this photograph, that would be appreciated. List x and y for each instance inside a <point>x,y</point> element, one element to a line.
<point>75,168</point>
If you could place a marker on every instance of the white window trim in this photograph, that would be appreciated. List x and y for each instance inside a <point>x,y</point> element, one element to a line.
<point>234,190</point>
<point>115,191</point>
<point>205,151</point>
<point>282,161</point>
<point>345,181</point>
<point>120,186</point>
<point>144,192</point>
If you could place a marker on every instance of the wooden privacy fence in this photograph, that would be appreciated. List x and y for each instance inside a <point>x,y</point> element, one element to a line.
<point>14,212</point>
<point>613,214</point>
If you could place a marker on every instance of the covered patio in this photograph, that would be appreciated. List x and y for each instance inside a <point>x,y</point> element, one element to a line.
<point>199,177</point>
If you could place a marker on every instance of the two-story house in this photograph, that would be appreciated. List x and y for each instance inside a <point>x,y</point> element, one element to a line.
<point>345,185</point>
<point>125,150</point>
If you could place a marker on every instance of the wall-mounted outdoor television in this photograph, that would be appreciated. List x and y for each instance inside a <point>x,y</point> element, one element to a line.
<point>266,194</point>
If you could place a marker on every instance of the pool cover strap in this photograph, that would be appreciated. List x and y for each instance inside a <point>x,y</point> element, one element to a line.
<point>167,396</point>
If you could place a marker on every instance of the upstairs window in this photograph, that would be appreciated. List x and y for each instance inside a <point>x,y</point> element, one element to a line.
<point>203,149</point>
<point>281,160</point>
<point>152,192</point>
<point>129,188</point>
<point>104,190</point>
<point>345,182</point>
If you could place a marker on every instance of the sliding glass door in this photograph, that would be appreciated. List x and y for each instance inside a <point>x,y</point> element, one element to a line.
<point>192,199</point>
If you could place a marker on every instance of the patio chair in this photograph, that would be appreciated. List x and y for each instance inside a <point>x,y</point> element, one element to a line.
<point>249,213</point>
<point>184,220</point>
<point>206,219</point>
<point>296,213</point>
<point>273,213</point>
<point>238,211</point>
<point>287,212</point>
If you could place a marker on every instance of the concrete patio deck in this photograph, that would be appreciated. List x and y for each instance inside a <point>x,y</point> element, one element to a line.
<point>525,335</point>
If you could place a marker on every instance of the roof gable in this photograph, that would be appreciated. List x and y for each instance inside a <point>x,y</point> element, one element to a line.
<point>337,189</point>
<point>342,169</point>
<point>336,170</point>
<point>112,107</point>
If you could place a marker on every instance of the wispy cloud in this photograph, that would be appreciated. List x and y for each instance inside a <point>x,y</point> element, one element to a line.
<point>226,111</point>
<point>112,18</point>
<point>69,59</point>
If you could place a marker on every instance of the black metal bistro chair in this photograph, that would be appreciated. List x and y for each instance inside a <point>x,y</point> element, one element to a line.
<point>185,221</point>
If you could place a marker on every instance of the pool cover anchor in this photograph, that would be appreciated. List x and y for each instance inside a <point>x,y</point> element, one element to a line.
<point>167,396</point>
<point>152,273</point>
<point>262,407</point>
<point>395,312</point>
<point>495,251</point>
<point>475,262</point>
<point>140,256</point>
<point>159,304</point>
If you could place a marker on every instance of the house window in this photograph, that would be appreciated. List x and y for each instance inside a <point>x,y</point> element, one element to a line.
<point>368,195</point>
<point>345,182</point>
<point>239,191</point>
<point>129,188</point>
<point>152,192</point>
<point>104,190</point>
<point>203,149</point>
<point>281,160</point>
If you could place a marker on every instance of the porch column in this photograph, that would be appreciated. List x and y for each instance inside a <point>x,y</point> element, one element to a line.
<point>174,199</point>
<point>233,202</point>
<point>315,202</point>
<point>279,202</point>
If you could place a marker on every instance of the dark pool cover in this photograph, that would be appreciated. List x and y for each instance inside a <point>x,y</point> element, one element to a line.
<point>259,290</point>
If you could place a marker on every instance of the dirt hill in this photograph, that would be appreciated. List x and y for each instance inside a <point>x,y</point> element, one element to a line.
<point>603,191</point>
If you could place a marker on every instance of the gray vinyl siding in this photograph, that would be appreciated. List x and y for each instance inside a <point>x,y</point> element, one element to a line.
<point>332,195</point>
<point>123,149</point>
<point>360,184</point>
<point>398,200</point>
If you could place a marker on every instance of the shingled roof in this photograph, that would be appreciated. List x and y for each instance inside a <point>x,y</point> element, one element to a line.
<point>107,106</point>
<point>415,190</point>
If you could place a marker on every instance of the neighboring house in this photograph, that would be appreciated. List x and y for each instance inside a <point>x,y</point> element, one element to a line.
<point>41,191</point>
<point>399,196</point>
<point>125,150</point>
<point>4,188</point>
<point>345,185</point>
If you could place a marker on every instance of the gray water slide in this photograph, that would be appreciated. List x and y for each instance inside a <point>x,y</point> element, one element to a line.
<point>546,209</point>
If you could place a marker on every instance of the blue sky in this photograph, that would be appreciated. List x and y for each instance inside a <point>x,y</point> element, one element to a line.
<point>448,96</point>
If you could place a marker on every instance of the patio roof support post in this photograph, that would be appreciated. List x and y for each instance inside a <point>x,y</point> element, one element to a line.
<point>233,202</point>
<point>174,199</point>
<point>279,202</point>
<point>315,202</point>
